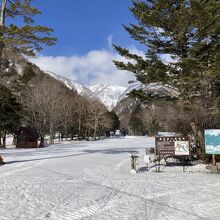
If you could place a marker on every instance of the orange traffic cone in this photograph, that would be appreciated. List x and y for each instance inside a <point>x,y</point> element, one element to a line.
<point>1,160</point>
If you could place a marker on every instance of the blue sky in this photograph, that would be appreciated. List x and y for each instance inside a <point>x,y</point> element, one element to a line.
<point>85,30</point>
<point>84,25</point>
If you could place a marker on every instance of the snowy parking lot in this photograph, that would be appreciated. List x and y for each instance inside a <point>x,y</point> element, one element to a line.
<point>91,180</point>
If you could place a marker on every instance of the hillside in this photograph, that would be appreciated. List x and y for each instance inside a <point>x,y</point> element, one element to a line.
<point>75,85</point>
<point>126,105</point>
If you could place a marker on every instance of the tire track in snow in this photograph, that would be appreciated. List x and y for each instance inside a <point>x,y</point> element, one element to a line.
<point>154,201</point>
<point>31,165</point>
<point>86,211</point>
<point>90,209</point>
<point>110,203</point>
<point>121,203</point>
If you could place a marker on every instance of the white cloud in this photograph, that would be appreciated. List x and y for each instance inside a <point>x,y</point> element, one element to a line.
<point>110,41</point>
<point>93,68</point>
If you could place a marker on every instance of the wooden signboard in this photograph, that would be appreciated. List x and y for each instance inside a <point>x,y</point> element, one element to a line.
<point>172,146</point>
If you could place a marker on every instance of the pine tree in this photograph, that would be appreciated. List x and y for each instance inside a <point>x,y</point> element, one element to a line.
<point>27,38</point>
<point>115,119</point>
<point>24,78</point>
<point>10,113</point>
<point>186,32</point>
<point>136,125</point>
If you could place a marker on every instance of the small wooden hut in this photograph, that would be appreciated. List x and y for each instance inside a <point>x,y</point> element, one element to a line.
<point>27,137</point>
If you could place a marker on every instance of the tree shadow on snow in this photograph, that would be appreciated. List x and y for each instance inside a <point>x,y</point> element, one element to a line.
<point>84,152</point>
<point>115,151</point>
<point>44,158</point>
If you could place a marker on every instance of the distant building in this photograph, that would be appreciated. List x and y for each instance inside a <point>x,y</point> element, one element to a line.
<point>27,138</point>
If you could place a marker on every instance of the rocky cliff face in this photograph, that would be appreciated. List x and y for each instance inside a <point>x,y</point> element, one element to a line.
<point>108,94</point>
<point>126,105</point>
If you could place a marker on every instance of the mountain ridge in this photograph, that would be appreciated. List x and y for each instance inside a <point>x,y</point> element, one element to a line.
<point>75,85</point>
<point>108,93</point>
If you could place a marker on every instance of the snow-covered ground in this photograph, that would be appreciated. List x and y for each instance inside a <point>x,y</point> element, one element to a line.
<point>91,180</point>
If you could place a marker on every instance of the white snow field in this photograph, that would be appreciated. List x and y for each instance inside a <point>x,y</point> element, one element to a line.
<point>92,180</point>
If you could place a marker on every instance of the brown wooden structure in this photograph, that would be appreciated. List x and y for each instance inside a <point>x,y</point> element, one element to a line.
<point>27,137</point>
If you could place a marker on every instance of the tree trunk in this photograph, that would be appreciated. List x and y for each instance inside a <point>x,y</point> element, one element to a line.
<point>72,136</point>
<point>51,134</point>
<point>65,131</point>
<point>3,10</point>
<point>4,140</point>
<point>94,133</point>
<point>199,134</point>
<point>2,23</point>
<point>0,139</point>
<point>14,142</point>
<point>41,141</point>
<point>87,133</point>
<point>79,128</point>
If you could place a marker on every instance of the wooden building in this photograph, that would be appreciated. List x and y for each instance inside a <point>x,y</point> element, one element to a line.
<point>27,137</point>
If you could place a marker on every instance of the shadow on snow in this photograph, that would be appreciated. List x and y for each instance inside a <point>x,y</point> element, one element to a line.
<point>84,152</point>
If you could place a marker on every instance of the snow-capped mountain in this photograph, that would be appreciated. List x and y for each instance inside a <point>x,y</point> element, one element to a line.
<point>153,89</point>
<point>108,94</point>
<point>75,85</point>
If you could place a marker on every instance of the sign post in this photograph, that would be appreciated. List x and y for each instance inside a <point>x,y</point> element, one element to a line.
<point>213,159</point>
<point>147,160</point>
<point>134,162</point>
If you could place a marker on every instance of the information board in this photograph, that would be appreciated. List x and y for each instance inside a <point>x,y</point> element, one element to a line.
<point>172,146</point>
<point>212,141</point>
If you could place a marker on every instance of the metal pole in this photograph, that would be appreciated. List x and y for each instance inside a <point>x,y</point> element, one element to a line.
<point>213,159</point>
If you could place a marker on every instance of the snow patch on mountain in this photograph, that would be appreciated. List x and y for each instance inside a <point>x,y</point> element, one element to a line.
<point>152,89</point>
<point>75,85</point>
<point>108,94</point>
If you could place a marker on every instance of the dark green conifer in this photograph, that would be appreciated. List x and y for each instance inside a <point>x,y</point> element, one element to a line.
<point>26,38</point>
<point>182,48</point>
<point>10,113</point>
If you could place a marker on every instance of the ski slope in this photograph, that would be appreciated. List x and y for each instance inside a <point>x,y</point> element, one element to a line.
<point>91,180</point>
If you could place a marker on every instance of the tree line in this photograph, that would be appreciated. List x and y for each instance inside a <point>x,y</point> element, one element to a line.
<point>54,110</point>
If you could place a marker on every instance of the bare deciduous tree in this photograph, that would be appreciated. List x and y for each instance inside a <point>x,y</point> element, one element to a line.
<point>44,105</point>
<point>95,117</point>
